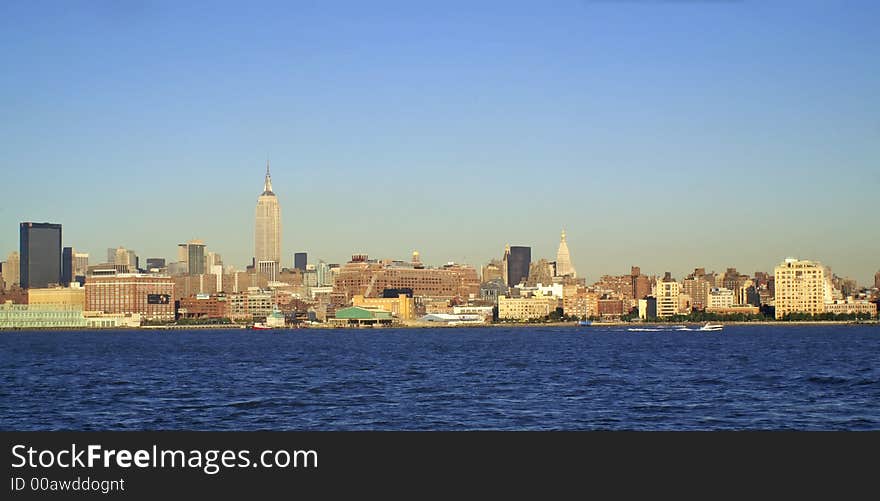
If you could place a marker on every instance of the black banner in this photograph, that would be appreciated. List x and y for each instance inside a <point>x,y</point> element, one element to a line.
<point>48,465</point>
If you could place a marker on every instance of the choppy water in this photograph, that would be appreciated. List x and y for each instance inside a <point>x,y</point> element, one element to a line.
<point>746,377</point>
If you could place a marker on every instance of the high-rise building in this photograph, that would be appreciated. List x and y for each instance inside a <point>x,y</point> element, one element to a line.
<point>11,270</point>
<point>195,257</point>
<point>300,259</point>
<point>801,287</point>
<point>40,249</point>
<point>155,263</point>
<point>81,264</point>
<point>505,264</point>
<point>267,234</point>
<point>518,265</point>
<point>563,260</point>
<point>491,271</point>
<point>67,265</point>
<point>641,285</point>
<point>877,280</point>
<point>667,292</point>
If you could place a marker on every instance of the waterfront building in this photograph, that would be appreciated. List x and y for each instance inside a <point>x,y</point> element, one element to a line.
<point>736,309</point>
<point>801,287</point>
<point>11,270</point>
<point>666,293</point>
<point>202,306</point>
<point>361,316</point>
<point>611,309</point>
<point>719,297</point>
<point>518,262</point>
<point>850,306</point>
<point>65,297</point>
<point>300,260</point>
<point>40,254</point>
<point>252,304</point>
<point>267,232</point>
<point>151,296</point>
<point>401,307</point>
<point>526,308</point>
<point>564,268</point>
<point>484,312</point>
<point>26,316</point>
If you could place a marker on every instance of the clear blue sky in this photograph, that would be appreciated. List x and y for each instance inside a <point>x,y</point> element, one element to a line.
<point>668,134</point>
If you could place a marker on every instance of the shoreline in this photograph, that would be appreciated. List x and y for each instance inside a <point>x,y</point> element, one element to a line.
<point>573,325</point>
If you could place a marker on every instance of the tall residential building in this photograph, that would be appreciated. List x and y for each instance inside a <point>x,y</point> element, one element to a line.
<point>40,249</point>
<point>563,259</point>
<point>267,234</point>
<point>11,270</point>
<point>667,292</point>
<point>518,265</point>
<point>505,265</point>
<point>641,285</point>
<point>801,287</point>
<point>300,260</point>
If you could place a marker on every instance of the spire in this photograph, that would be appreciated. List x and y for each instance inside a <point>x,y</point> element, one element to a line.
<point>563,234</point>
<point>267,186</point>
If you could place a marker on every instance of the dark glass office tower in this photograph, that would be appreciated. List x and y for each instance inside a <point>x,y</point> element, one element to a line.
<point>518,265</point>
<point>40,249</point>
<point>67,266</point>
<point>300,259</point>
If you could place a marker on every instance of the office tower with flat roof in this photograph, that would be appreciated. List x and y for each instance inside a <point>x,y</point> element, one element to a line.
<point>80,264</point>
<point>196,258</point>
<point>67,265</point>
<point>40,251</point>
<point>11,270</point>
<point>518,265</point>
<point>267,231</point>
<point>300,260</point>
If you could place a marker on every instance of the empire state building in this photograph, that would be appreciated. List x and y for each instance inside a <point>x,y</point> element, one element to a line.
<point>267,235</point>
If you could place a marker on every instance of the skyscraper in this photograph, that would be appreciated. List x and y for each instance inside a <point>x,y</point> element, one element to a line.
<point>196,257</point>
<point>563,260</point>
<point>267,234</point>
<point>40,250</point>
<point>11,270</point>
<point>300,260</point>
<point>518,265</point>
<point>67,266</point>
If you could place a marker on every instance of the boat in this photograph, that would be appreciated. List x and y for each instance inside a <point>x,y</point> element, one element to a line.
<point>260,326</point>
<point>584,323</point>
<point>275,320</point>
<point>711,327</point>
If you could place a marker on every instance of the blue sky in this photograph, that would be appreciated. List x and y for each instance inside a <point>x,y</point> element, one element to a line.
<point>668,134</point>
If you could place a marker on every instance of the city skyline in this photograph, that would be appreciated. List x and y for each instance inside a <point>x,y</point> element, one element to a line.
<point>452,133</point>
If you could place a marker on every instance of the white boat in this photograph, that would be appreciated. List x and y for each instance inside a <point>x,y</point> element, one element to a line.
<point>711,327</point>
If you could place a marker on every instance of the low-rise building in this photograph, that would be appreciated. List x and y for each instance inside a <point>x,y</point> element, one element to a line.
<point>360,316</point>
<point>401,307</point>
<point>526,308</point>
<point>851,306</point>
